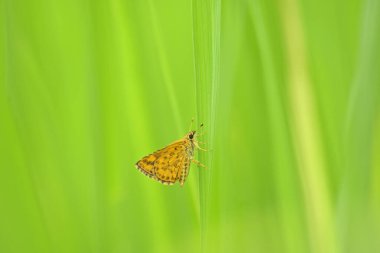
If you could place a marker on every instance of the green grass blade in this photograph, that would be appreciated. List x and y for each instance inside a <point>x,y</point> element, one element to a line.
<point>306,133</point>
<point>206,36</point>
<point>356,214</point>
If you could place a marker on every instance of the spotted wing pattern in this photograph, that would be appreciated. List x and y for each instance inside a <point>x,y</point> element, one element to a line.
<point>169,164</point>
<point>185,167</point>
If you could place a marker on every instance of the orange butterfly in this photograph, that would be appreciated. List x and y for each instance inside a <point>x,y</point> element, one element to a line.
<point>171,163</point>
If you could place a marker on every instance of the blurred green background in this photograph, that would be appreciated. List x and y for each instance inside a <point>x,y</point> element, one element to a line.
<point>288,91</point>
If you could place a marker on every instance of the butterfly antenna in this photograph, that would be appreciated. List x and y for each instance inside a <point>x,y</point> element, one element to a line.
<point>200,128</point>
<point>191,124</point>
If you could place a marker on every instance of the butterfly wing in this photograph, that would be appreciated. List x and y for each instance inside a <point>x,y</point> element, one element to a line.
<point>165,165</point>
<point>146,164</point>
<point>183,170</point>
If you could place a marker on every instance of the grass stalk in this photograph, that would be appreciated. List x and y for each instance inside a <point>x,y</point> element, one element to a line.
<point>306,133</point>
<point>206,39</point>
<point>355,217</point>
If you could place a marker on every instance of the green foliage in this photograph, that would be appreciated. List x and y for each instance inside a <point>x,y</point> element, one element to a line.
<point>289,92</point>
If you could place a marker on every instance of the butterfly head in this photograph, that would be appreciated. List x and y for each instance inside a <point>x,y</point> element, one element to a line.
<point>191,135</point>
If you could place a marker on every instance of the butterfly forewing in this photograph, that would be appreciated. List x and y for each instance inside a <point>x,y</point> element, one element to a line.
<point>164,168</point>
<point>146,164</point>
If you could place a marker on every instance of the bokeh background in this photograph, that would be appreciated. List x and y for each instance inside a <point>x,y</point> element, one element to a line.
<point>288,91</point>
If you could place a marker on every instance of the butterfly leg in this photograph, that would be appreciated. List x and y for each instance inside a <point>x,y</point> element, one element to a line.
<point>202,149</point>
<point>196,144</point>
<point>198,163</point>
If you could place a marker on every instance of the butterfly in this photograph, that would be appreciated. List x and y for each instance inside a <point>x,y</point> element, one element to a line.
<point>171,163</point>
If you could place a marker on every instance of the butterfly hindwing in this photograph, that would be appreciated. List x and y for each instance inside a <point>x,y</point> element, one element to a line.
<point>185,167</point>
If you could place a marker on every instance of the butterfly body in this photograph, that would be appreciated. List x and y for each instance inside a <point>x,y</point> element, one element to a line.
<point>172,163</point>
